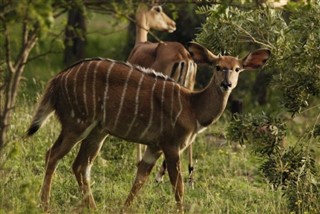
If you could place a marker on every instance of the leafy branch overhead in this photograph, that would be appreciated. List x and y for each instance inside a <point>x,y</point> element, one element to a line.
<point>293,37</point>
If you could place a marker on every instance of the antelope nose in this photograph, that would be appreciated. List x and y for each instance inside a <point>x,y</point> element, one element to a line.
<point>172,26</point>
<point>225,85</point>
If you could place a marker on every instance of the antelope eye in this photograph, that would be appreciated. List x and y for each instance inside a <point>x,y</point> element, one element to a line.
<point>218,68</point>
<point>158,9</point>
<point>237,69</point>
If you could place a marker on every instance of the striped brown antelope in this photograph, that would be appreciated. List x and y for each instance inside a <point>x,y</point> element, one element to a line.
<point>97,97</point>
<point>169,58</point>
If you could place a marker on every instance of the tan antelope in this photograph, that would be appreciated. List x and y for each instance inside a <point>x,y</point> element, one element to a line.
<point>151,17</point>
<point>169,58</point>
<point>97,97</point>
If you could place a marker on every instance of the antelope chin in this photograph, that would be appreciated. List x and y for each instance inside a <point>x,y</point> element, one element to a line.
<point>225,89</point>
<point>172,30</point>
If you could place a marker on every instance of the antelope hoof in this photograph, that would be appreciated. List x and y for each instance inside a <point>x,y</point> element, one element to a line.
<point>191,182</point>
<point>180,208</point>
<point>190,179</point>
<point>123,211</point>
<point>45,207</point>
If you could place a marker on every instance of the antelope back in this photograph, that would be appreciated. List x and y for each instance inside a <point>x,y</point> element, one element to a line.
<point>169,58</point>
<point>126,101</point>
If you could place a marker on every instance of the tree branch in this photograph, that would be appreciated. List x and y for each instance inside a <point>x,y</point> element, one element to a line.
<point>50,51</point>
<point>42,55</point>
<point>7,48</point>
<point>269,45</point>
<point>59,13</point>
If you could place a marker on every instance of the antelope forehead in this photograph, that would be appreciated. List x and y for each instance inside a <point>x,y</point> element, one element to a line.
<point>229,62</point>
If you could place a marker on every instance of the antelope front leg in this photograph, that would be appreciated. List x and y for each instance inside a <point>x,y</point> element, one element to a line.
<point>172,157</point>
<point>145,166</point>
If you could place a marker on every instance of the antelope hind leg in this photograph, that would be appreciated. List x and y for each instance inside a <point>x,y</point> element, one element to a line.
<point>89,150</point>
<point>60,148</point>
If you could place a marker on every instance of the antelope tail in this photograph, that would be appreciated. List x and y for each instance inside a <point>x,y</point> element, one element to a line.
<point>45,109</point>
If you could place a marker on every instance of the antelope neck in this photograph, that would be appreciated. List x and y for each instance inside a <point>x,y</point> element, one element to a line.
<point>141,34</point>
<point>209,103</point>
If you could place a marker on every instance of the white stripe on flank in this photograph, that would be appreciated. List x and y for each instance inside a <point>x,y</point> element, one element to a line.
<point>180,106</point>
<point>162,103</point>
<point>151,110</point>
<point>66,85</point>
<point>94,101</point>
<point>194,72</point>
<point>124,91</point>
<point>105,96</point>
<point>75,87</point>
<point>136,106</point>
<point>87,131</point>
<point>188,75</point>
<point>85,88</point>
<point>178,79</point>
<point>184,72</point>
<point>172,99</point>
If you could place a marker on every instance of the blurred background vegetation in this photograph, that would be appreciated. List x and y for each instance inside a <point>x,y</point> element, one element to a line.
<point>264,159</point>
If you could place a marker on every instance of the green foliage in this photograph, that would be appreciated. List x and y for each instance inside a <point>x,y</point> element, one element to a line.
<point>38,15</point>
<point>294,44</point>
<point>265,131</point>
<point>296,174</point>
<point>293,170</point>
<point>232,30</point>
<point>300,86</point>
<point>316,131</point>
<point>293,36</point>
<point>299,59</point>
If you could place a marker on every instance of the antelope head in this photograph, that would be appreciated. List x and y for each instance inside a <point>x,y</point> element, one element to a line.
<point>154,18</point>
<point>226,69</point>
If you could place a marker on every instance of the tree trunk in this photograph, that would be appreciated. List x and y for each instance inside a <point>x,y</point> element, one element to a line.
<point>12,76</point>
<point>260,87</point>
<point>75,36</point>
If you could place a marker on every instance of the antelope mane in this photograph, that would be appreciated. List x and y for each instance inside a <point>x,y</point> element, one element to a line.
<point>152,72</point>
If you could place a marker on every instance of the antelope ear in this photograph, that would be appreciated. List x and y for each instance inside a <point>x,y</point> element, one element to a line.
<point>201,54</point>
<point>256,59</point>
